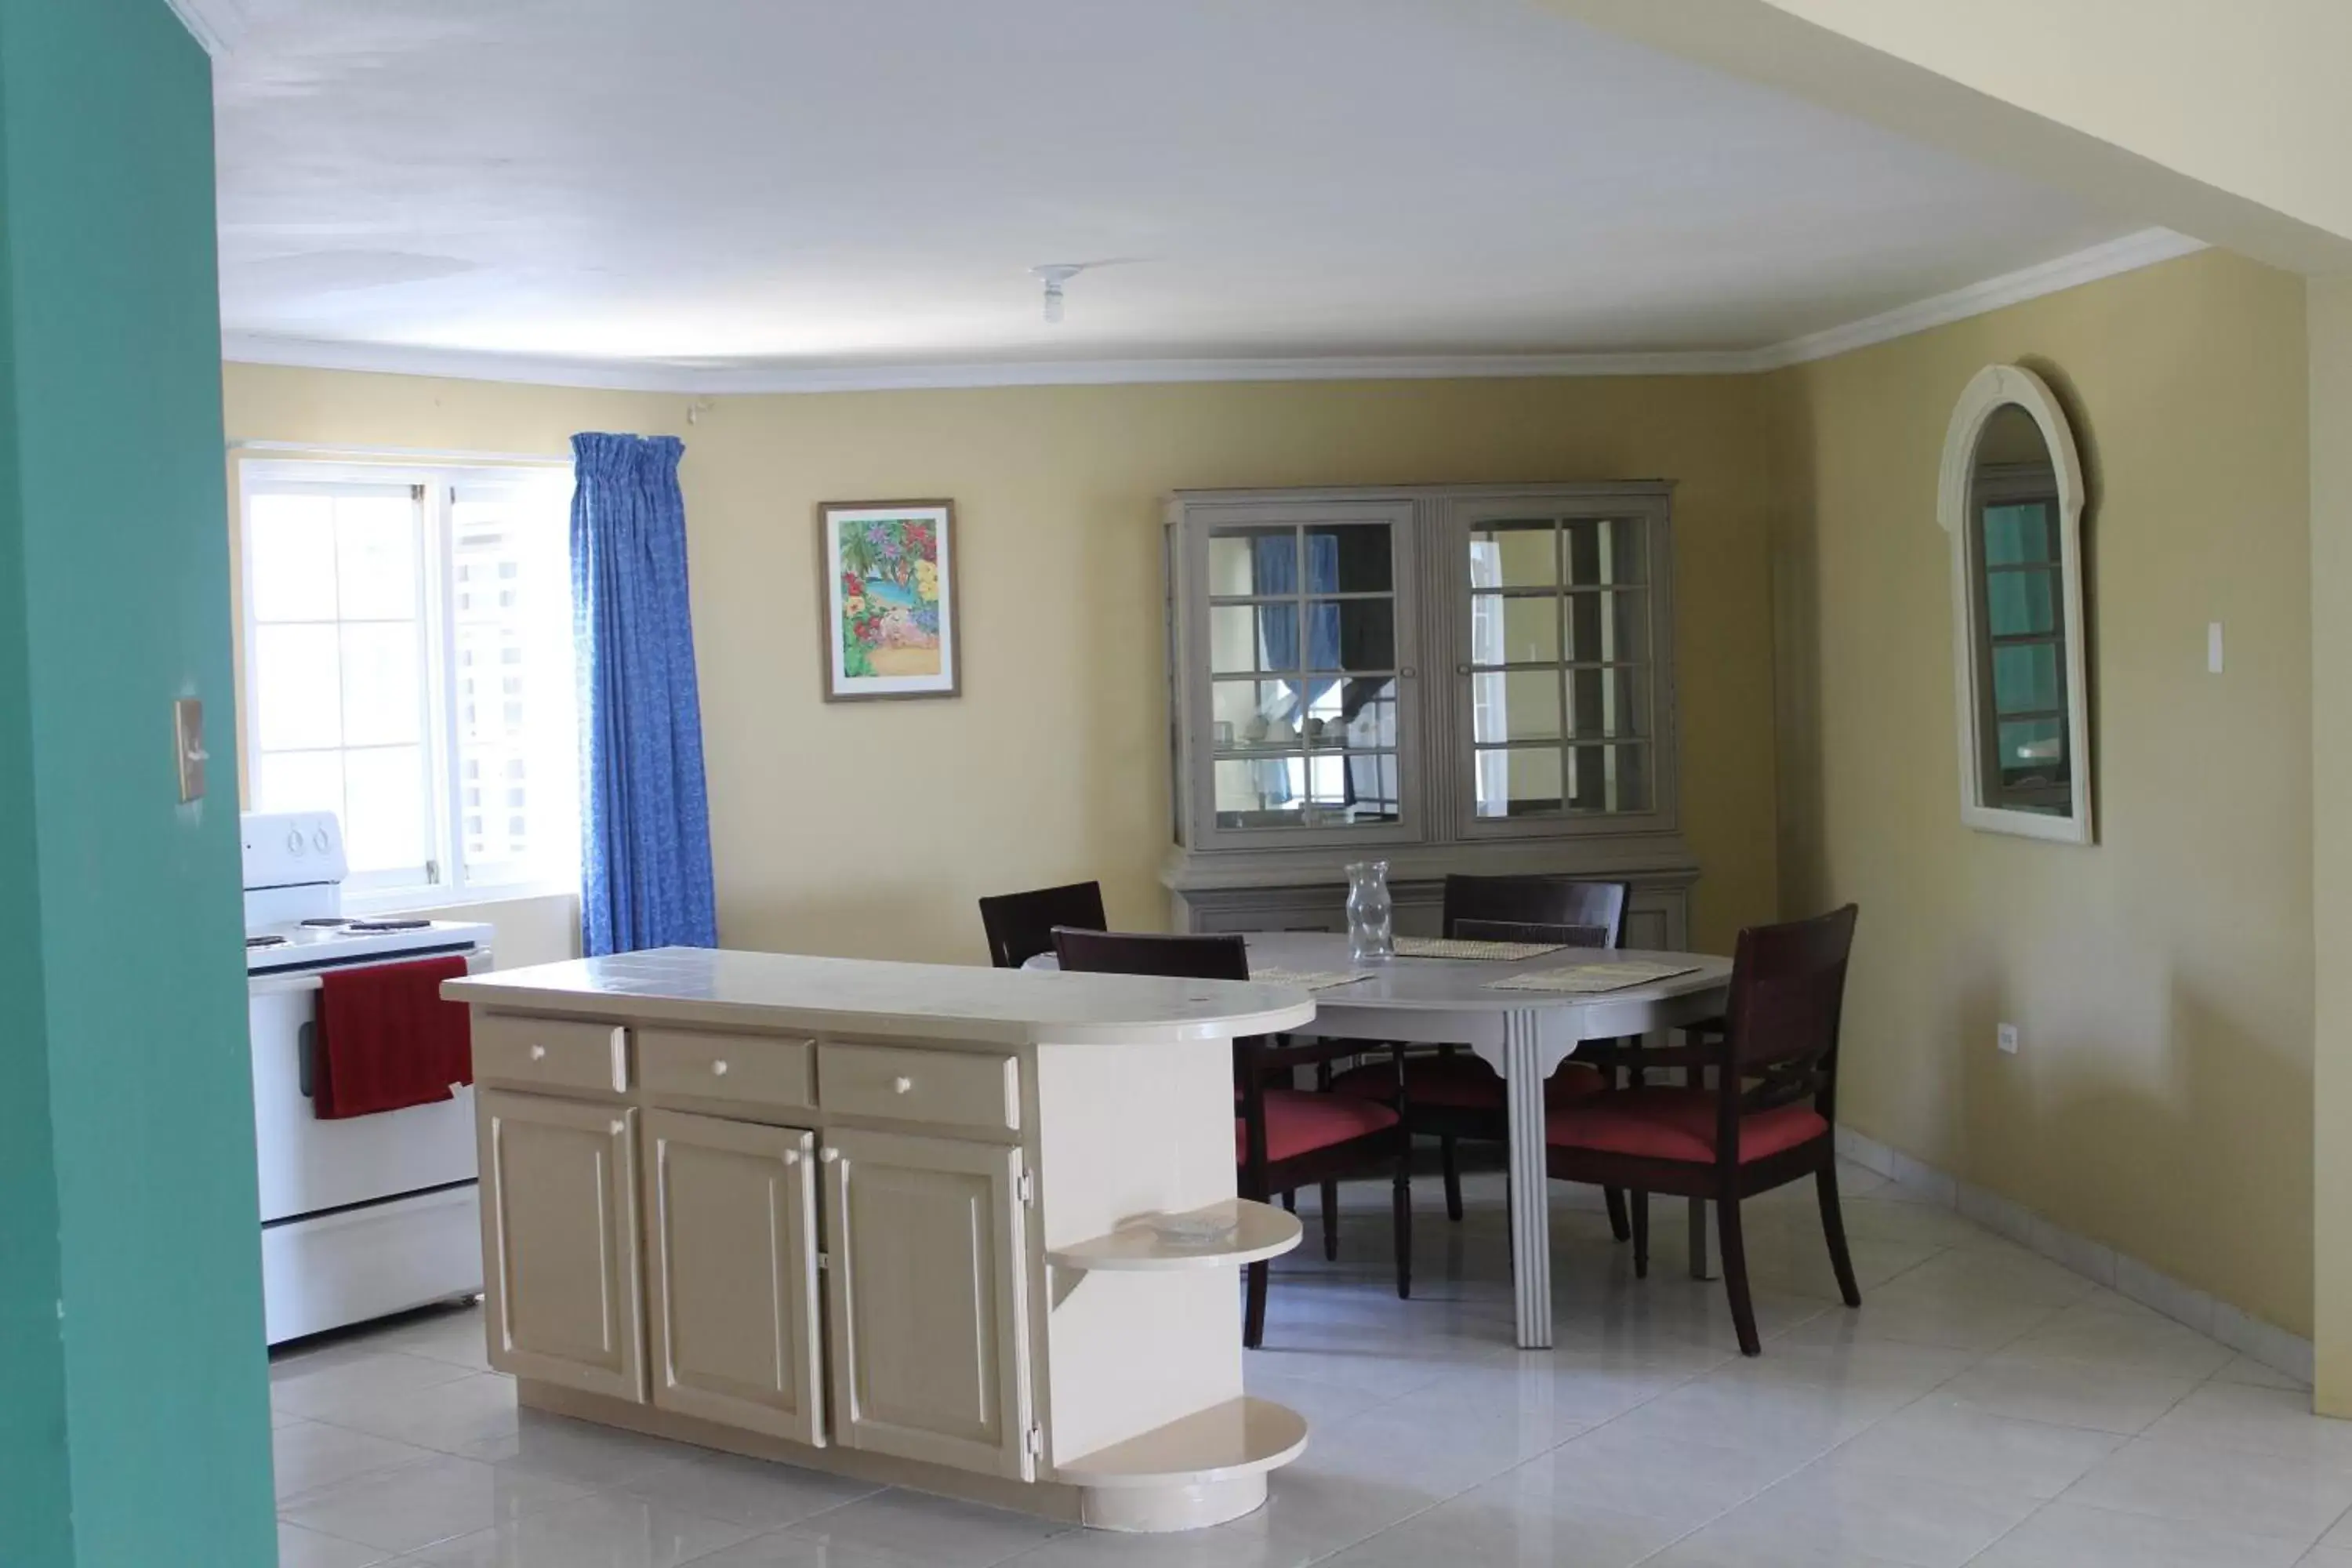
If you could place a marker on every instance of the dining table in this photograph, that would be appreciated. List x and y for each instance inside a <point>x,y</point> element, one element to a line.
<point>1522,1034</point>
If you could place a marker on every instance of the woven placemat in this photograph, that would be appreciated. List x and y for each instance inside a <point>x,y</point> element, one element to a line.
<point>1582,978</point>
<point>1311,979</point>
<point>1455,947</point>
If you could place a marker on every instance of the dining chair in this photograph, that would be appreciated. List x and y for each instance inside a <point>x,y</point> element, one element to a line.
<point>1021,925</point>
<point>1454,1095</point>
<point>1767,1120</point>
<point>1283,1138</point>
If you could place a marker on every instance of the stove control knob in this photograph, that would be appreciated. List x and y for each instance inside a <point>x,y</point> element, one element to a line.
<point>719,1068</point>
<point>322,842</point>
<point>294,842</point>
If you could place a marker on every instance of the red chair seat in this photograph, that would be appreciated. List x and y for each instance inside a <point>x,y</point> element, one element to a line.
<point>1298,1123</point>
<point>1464,1082</point>
<point>1677,1124</point>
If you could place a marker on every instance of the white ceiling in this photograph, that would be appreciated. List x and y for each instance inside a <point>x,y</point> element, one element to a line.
<point>864,183</point>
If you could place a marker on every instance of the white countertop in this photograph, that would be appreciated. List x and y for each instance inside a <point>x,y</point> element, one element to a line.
<point>863,997</point>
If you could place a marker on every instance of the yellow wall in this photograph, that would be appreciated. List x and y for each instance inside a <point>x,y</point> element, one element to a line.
<point>871,828</point>
<point>2162,978</point>
<point>2330,308</point>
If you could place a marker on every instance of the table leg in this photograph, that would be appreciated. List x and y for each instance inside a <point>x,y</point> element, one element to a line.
<point>1530,1184</point>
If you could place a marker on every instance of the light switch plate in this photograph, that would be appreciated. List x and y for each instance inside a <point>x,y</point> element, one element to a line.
<point>188,735</point>
<point>2213,647</point>
<point>2006,1038</point>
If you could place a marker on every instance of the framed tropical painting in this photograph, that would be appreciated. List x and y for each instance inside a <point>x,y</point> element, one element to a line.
<point>888,589</point>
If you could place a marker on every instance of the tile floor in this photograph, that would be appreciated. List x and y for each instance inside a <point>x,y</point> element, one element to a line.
<point>1985,1406</point>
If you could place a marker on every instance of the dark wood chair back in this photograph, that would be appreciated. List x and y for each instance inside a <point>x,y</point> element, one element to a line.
<point>1532,931</point>
<point>1134,952</point>
<point>1021,925</point>
<point>1540,901</point>
<point>1780,1022</point>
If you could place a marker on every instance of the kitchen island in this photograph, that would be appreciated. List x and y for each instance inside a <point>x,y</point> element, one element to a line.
<point>970,1231</point>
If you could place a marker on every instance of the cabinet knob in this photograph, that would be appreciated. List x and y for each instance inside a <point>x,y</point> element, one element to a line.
<point>1409,672</point>
<point>718,1068</point>
<point>791,1156</point>
<point>901,1085</point>
<point>1461,669</point>
<point>539,1053</point>
<point>829,1155</point>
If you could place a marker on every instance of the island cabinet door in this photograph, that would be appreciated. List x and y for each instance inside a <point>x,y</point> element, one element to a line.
<point>560,1241</point>
<point>732,1295</point>
<point>930,1319</point>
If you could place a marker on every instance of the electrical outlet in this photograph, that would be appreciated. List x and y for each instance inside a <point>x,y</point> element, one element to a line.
<point>2007,1039</point>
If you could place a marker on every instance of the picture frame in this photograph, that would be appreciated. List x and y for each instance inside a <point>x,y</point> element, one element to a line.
<point>887,605</point>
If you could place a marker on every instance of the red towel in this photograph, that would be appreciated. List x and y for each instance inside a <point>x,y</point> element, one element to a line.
<point>387,1040</point>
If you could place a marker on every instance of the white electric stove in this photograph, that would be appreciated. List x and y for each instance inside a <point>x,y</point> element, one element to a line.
<point>366,1216</point>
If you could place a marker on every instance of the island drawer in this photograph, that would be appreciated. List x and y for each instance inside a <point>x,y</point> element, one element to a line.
<point>552,1053</point>
<point>969,1088</point>
<point>751,1070</point>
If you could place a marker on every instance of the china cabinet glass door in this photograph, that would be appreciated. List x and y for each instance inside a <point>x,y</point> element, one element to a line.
<point>1305,717</point>
<point>1558,671</point>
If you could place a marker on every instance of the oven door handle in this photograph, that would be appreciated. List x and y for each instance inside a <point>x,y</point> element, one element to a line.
<point>306,1054</point>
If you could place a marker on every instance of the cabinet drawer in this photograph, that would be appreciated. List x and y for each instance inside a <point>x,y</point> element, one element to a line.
<point>552,1053</point>
<point>968,1088</point>
<point>752,1069</point>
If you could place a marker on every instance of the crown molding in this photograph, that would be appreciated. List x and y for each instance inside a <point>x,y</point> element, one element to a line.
<point>2132,251</point>
<point>218,25</point>
<point>2129,254</point>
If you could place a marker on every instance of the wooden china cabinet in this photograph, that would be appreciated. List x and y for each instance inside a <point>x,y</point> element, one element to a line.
<point>1450,677</point>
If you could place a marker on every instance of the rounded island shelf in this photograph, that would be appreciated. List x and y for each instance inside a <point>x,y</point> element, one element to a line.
<point>1220,1236</point>
<point>1202,1469</point>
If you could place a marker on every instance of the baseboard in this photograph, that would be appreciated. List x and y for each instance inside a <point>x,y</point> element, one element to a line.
<point>2199,1309</point>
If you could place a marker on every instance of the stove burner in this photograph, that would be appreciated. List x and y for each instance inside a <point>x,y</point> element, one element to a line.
<point>252,942</point>
<point>373,926</point>
<point>325,922</point>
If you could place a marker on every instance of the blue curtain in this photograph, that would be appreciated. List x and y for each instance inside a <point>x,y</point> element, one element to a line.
<point>1275,571</point>
<point>644,878</point>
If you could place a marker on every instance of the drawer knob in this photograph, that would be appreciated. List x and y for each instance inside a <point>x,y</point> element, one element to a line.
<point>901,1085</point>
<point>791,1156</point>
<point>829,1155</point>
<point>539,1053</point>
<point>719,1068</point>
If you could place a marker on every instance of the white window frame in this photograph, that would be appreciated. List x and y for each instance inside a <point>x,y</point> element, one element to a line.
<point>1992,389</point>
<point>445,877</point>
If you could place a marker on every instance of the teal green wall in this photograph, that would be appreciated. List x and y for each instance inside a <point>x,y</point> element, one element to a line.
<point>114,600</point>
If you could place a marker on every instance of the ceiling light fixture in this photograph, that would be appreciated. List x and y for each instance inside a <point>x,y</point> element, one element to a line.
<point>1055,275</point>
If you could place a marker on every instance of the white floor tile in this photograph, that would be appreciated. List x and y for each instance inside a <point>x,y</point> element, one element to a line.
<point>2257,1494</point>
<point>1494,1524</point>
<point>1683,1484</point>
<point>781,1550</point>
<point>2257,1421</point>
<point>2067,1535</point>
<point>421,1504</point>
<point>1898,1518</point>
<point>308,1455</point>
<point>750,1492</point>
<point>2245,1369</point>
<point>1962,1447</point>
<point>336,1390</point>
<point>941,1531</point>
<point>2112,1399</point>
<point>301,1548</point>
<point>597,1532</point>
<point>470,1412</point>
<point>454,1335</point>
<point>2094,1331</point>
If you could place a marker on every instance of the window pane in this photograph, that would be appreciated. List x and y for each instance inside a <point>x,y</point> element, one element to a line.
<point>1608,778</point>
<point>2025,677</point>
<point>1351,634</point>
<point>382,699</point>
<point>1522,782</point>
<point>1611,702</point>
<point>1253,712</point>
<point>2020,603</point>
<point>1243,638</point>
<point>375,557</point>
<point>1513,630</point>
<point>2017,533</point>
<point>299,781</point>
<point>1253,561</point>
<point>2032,751</point>
<point>1602,552</point>
<point>1608,628</point>
<point>516,645</point>
<point>384,822</point>
<point>1516,705</point>
<point>1515,555</point>
<point>298,687</point>
<point>291,546</point>
<point>1350,558</point>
